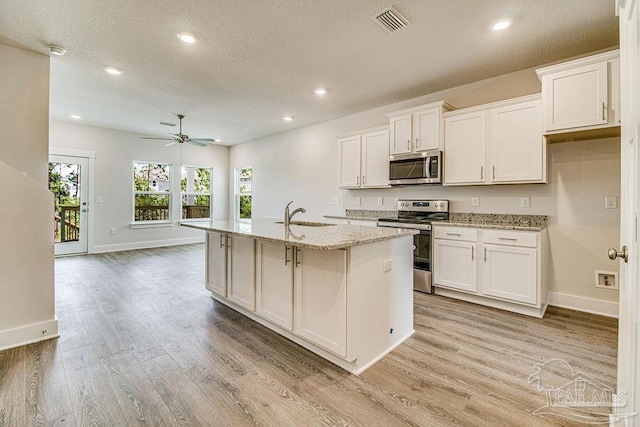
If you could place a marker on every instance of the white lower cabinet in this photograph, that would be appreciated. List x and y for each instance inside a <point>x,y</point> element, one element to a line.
<point>231,268</point>
<point>274,283</point>
<point>321,298</point>
<point>500,268</point>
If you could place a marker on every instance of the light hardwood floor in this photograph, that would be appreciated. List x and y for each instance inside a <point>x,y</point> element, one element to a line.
<point>142,343</point>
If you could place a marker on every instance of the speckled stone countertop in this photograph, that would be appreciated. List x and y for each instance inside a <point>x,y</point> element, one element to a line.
<point>320,238</point>
<point>497,221</point>
<point>367,215</point>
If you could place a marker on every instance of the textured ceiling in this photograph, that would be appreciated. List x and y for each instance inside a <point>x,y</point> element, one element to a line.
<point>257,60</point>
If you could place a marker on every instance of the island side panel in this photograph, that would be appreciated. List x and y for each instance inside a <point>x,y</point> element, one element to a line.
<point>380,303</point>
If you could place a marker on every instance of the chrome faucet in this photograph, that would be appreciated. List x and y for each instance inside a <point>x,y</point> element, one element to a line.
<point>288,216</point>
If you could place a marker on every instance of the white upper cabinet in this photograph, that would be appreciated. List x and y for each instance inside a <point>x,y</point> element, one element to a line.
<point>581,95</point>
<point>498,143</point>
<point>417,129</point>
<point>364,158</point>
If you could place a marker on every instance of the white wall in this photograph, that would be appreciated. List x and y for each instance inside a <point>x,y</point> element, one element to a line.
<point>302,165</point>
<point>27,307</point>
<point>114,153</point>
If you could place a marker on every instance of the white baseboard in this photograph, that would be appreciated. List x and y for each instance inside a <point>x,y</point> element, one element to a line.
<point>589,305</point>
<point>148,244</point>
<point>28,334</point>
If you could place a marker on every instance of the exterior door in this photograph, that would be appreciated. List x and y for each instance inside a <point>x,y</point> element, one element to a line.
<point>68,181</point>
<point>628,381</point>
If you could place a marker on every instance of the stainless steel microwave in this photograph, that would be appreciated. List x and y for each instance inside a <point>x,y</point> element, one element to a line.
<point>416,168</point>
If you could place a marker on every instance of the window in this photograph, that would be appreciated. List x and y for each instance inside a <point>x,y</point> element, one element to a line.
<point>244,177</point>
<point>195,188</point>
<point>151,192</point>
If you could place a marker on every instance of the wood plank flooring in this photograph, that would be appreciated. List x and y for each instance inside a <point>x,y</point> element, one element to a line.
<point>142,343</point>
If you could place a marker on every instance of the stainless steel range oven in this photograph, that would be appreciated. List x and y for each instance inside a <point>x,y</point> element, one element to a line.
<point>418,215</point>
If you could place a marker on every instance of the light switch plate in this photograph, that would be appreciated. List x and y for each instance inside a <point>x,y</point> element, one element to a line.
<point>387,265</point>
<point>358,201</point>
<point>525,202</point>
<point>380,200</point>
<point>610,202</point>
<point>98,199</point>
<point>475,201</point>
<point>334,201</point>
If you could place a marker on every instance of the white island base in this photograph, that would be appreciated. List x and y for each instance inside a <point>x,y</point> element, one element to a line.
<point>340,303</point>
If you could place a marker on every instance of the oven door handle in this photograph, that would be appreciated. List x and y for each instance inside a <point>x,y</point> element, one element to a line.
<point>424,227</point>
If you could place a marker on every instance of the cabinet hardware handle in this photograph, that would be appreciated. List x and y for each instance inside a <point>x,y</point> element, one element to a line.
<point>485,254</point>
<point>473,253</point>
<point>286,255</point>
<point>357,180</point>
<point>494,172</point>
<point>511,239</point>
<point>297,258</point>
<point>454,234</point>
<point>604,109</point>
<point>228,239</point>
<point>409,144</point>
<point>364,179</point>
<point>417,142</point>
<point>221,240</point>
<point>481,173</point>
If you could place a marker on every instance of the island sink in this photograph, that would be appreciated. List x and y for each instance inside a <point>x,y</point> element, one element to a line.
<point>306,223</point>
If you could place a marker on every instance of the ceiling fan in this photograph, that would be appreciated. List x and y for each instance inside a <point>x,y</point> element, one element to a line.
<point>181,138</point>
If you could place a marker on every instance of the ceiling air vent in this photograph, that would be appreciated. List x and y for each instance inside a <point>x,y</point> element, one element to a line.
<point>391,20</point>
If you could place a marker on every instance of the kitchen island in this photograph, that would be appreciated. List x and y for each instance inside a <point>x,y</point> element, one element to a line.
<point>344,292</point>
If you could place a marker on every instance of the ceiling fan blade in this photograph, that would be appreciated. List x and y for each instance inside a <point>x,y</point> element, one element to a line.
<point>168,124</point>
<point>175,141</point>
<point>154,137</point>
<point>203,139</point>
<point>199,144</point>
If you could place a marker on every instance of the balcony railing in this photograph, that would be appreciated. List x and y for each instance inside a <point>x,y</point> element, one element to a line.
<point>161,213</point>
<point>67,225</point>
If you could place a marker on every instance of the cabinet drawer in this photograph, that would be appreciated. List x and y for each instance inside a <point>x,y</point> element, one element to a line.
<point>511,238</point>
<point>456,233</point>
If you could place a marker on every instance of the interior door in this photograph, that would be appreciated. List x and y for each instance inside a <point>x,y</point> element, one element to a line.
<point>68,181</point>
<point>628,381</point>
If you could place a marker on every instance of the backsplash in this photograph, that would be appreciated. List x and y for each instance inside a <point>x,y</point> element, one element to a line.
<point>362,213</point>
<point>499,219</point>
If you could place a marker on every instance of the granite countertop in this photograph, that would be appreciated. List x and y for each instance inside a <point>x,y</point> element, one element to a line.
<point>367,215</point>
<point>496,221</point>
<point>331,237</point>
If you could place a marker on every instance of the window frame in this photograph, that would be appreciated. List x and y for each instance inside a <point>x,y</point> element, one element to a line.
<point>237,194</point>
<point>210,194</point>
<point>134,193</point>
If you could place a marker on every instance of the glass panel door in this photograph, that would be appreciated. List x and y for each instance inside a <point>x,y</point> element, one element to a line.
<point>67,182</point>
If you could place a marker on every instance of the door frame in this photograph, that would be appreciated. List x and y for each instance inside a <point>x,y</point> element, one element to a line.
<point>91,157</point>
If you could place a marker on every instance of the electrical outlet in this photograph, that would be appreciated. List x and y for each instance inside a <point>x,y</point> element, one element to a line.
<point>114,231</point>
<point>525,202</point>
<point>334,200</point>
<point>380,200</point>
<point>610,202</point>
<point>358,201</point>
<point>475,201</point>
<point>606,279</point>
<point>386,265</point>
<point>98,199</point>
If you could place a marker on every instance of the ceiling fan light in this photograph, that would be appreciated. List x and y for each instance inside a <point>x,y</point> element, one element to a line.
<point>500,25</point>
<point>187,37</point>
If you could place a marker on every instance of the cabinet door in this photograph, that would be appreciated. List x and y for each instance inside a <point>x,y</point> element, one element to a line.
<point>426,130</point>
<point>216,280</point>
<point>576,97</point>
<point>400,134</point>
<point>375,159</point>
<point>274,283</point>
<point>510,273</point>
<point>454,265</point>
<point>517,145</point>
<point>321,298</point>
<point>350,162</point>
<point>465,147</point>
<point>241,287</point>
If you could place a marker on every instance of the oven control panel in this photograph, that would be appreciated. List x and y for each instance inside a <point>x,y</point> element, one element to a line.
<point>423,205</point>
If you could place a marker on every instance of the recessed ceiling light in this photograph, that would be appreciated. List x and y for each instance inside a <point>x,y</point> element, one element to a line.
<point>320,91</point>
<point>56,50</point>
<point>187,37</point>
<point>501,24</point>
<point>287,118</point>
<point>75,116</point>
<point>217,140</point>
<point>113,70</point>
